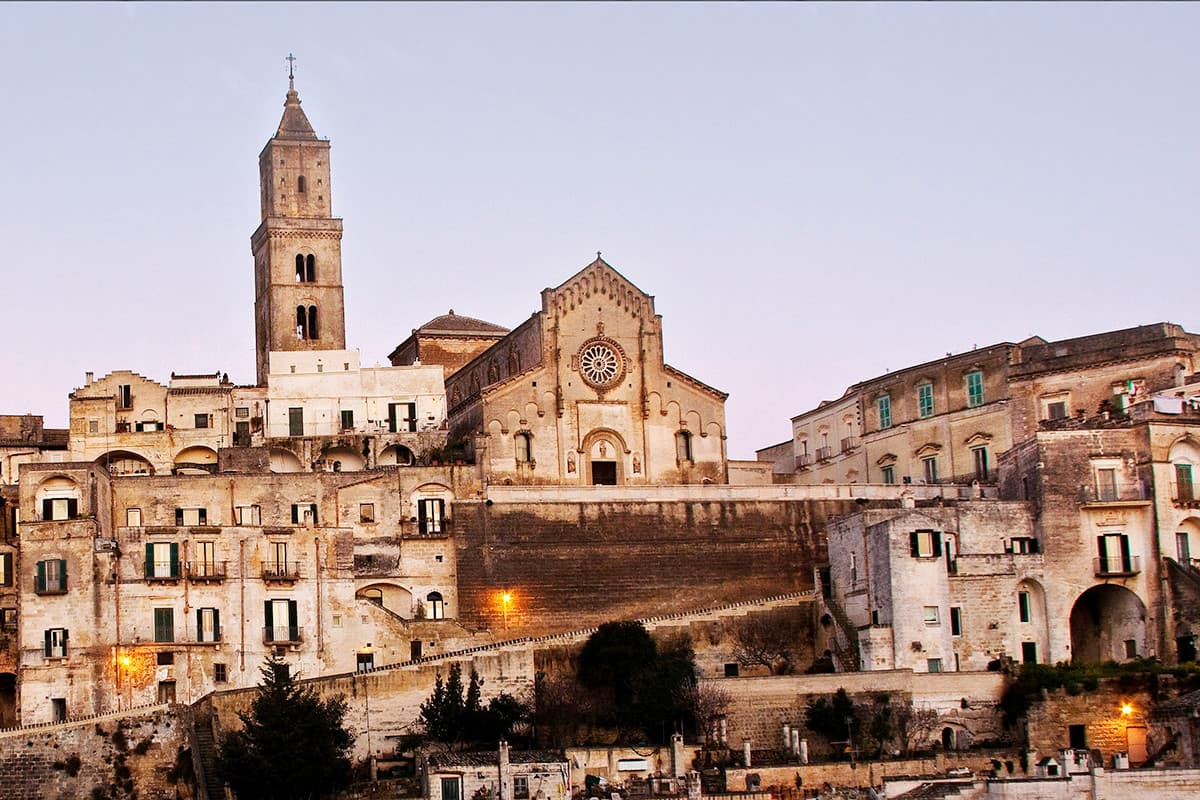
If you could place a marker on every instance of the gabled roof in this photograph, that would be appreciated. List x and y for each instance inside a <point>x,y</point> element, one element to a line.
<point>294,124</point>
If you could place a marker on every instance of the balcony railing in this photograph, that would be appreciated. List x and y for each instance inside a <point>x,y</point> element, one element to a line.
<point>206,570</point>
<point>849,443</point>
<point>283,634</point>
<point>1121,493</point>
<point>49,586</point>
<point>1116,565</point>
<point>281,571</point>
<point>1185,494</point>
<point>162,570</point>
<point>804,459</point>
<point>824,453</point>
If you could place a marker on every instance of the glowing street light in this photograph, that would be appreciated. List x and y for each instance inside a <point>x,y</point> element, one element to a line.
<point>1126,709</point>
<point>506,601</point>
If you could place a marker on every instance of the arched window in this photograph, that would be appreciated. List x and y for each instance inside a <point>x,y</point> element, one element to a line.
<point>312,323</point>
<point>374,595</point>
<point>310,268</point>
<point>299,268</point>
<point>524,447</point>
<point>300,184</point>
<point>301,323</point>
<point>683,446</point>
<point>434,607</point>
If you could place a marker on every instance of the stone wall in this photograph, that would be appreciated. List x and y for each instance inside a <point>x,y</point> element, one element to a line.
<point>148,752</point>
<point>861,774</point>
<point>1106,728</point>
<point>569,565</point>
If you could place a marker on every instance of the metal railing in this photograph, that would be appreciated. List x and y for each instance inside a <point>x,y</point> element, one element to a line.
<point>1116,565</point>
<point>282,634</point>
<point>281,571</point>
<point>206,570</point>
<point>162,570</point>
<point>56,586</point>
<point>849,443</point>
<point>803,460</point>
<point>1112,494</point>
<point>824,453</point>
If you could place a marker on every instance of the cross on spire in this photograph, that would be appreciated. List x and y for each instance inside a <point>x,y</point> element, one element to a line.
<point>291,59</point>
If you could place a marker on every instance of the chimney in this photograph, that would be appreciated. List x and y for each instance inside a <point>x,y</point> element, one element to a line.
<point>678,768</point>
<point>502,790</point>
<point>88,377</point>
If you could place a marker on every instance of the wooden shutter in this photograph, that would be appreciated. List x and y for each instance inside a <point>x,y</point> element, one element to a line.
<point>46,646</point>
<point>204,516</point>
<point>293,630</point>
<point>392,417</point>
<point>149,559</point>
<point>6,563</point>
<point>216,625</point>
<point>199,624</point>
<point>313,508</point>
<point>179,516</point>
<point>174,560</point>
<point>1126,561</point>
<point>72,508</point>
<point>412,416</point>
<point>914,544</point>
<point>421,520</point>
<point>267,614</point>
<point>39,580</point>
<point>47,509</point>
<point>295,513</point>
<point>62,571</point>
<point>935,538</point>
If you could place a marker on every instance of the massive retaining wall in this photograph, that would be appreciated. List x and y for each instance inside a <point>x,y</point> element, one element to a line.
<point>568,564</point>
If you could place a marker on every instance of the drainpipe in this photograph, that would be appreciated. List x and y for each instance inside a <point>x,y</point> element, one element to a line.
<point>320,641</point>
<point>242,613</point>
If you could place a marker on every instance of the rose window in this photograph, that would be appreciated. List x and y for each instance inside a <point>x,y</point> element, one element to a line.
<point>599,364</point>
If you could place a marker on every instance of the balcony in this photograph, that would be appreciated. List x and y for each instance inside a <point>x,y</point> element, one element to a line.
<point>849,443</point>
<point>281,571</point>
<point>1116,566</point>
<point>824,453</point>
<point>165,571</point>
<point>206,571</point>
<point>1134,493</point>
<point>283,634</point>
<point>1184,494</point>
<point>49,587</point>
<point>803,460</point>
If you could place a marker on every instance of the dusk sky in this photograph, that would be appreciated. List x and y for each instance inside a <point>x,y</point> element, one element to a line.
<point>814,194</point>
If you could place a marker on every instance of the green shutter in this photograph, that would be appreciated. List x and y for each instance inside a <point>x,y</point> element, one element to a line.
<point>72,508</point>
<point>293,631</point>
<point>295,513</point>
<point>46,647</point>
<point>914,544</point>
<point>216,625</point>
<point>267,613</point>
<point>149,559</point>
<point>936,538</point>
<point>39,581</point>
<point>174,560</point>
<point>62,570</point>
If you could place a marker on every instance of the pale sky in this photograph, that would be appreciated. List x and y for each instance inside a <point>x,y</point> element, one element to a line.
<point>814,193</point>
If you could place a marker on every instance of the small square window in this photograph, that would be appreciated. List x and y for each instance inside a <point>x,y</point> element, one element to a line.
<point>520,787</point>
<point>731,670</point>
<point>337,620</point>
<point>366,512</point>
<point>220,675</point>
<point>202,420</point>
<point>165,658</point>
<point>933,664</point>
<point>93,426</point>
<point>930,614</point>
<point>241,413</point>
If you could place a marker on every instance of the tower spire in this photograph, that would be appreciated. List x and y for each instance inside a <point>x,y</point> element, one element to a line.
<point>291,59</point>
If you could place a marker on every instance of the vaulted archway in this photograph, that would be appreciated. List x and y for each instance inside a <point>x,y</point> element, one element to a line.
<point>1108,623</point>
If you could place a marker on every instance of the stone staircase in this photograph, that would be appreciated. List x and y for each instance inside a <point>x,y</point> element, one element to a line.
<point>206,748</point>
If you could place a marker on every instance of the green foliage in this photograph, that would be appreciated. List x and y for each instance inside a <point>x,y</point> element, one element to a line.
<point>292,744</point>
<point>455,716</point>
<point>828,716</point>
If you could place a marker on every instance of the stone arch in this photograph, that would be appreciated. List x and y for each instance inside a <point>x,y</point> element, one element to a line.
<point>394,598</point>
<point>1187,541</point>
<point>343,459</point>
<point>1035,629</point>
<point>1103,620</point>
<point>196,460</point>
<point>604,457</point>
<point>285,461</point>
<point>396,454</point>
<point>125,462</point>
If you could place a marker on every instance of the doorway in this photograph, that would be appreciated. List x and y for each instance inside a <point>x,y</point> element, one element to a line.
<point>604,473</point>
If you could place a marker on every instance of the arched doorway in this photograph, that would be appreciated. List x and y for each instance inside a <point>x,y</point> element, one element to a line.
<point>1108,623</point>
<point>8,700</point>
<point>604,452</point>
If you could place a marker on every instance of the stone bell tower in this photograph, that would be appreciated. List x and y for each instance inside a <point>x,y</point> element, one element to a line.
<point>298,302</point>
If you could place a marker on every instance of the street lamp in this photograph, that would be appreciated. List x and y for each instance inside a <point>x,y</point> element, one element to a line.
<point>506,601</point>
<point>125,662</point>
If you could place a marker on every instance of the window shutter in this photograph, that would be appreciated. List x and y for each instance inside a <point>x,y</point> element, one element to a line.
<point>174,560</point>
<point>62,570</point>
<point>412,417</point>
<point>47,508</point>
<point>216,625</point>
<point>314,513</point>
<point>421,517</point>
<point>149,559</point>
<point>8,568</point>
<point>46,647</point>
<point>204,516</point>
<point>914,544</point>
<point>293,630</point>
<point>179,516</point>
<point>1035,546</point>
<point>1126,561</point>
<point>72,508</point>
<point>199,624</point>
<point>267,613</point>
<point>936,538</point>
<point>295,514</point>
<point>1100,547</point>
<point>39,581</point>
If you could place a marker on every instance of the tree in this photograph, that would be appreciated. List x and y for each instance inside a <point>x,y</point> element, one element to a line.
<point>833,717</point>
<point>769,639</point>
<point>455,716</point>
<point>914,724</point>
<point>707,703</point>
<point>292,744</point>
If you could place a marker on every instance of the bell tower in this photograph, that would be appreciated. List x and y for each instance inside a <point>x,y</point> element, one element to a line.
<point>298,300</point>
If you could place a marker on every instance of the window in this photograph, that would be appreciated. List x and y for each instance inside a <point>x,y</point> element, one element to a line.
<point>347,419</point>
<point>1056,409</point>
<point>93,426</point>
<point>925,400</point>
<point>165,658</point>
<point>191,516</point>
<point>366,512</point>
<point>1077,737</point>
<point>974,389</point>
<point>523,445</point>
<point>683,446</point>
<point>931,470</point>
<point>208,625</point>
<point>520,787</point>
<point>281,621</point>
<point>430,511</point>
<point>1113,551</point>
<point>55,643</point>
<point>124,397</point>
<point>955,621</point>
<point>203,420</point>
<point>58,508</point>
<point>1024,610</point>
<point>1131,648</point>
<point>930,614</point>
<point>398,423</point>
<point>434,606</point>
<point>162,560</point>
<point>884,406</point>
<point>6,569</point>
<point>275,565</point>
<point>1024,545</point>
<point>980,454</point>
<point>295,422</point>
<point>248,515</point>
<point>1184,492</point>
<point>304,513</point>
<point>164,624</point>
<point>925,544</point>
<point>242,412</point>
<point>1106,484</point>
<point>206,560</point>
<point>889,474</point>
<point>365,661</point>
<point>1029,652</point>
<point>220,673</point>
<point>313,332</point>
<point>731,669</point>
<point>373,596</point>
<point>147,425</point>
<point>51,577</point>
<point>306,269</point>
<point>933,664</point>
<point>1183,547</point>
<point>853,567</point>
<point>133,517</point>
<point>300,185</point>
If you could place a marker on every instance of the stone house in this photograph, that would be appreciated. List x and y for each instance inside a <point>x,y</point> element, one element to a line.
<point>503,774</point>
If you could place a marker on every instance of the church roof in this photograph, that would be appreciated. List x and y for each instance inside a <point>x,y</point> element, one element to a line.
<point>294,124</point>
<point>451,323</point>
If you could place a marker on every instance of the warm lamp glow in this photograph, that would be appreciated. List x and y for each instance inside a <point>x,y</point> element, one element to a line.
<point>1126,710</point>
<point>506,597</point>
<point>125,660</point>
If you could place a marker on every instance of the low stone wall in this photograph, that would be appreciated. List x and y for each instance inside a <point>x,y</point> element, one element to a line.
<point>860,775</point>
<point>1099,711</point>
<point>149,752</point>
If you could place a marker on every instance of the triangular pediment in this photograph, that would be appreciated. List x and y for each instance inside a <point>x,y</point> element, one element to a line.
<point>598,280</point>
<point>930,449</point>
<point>979,438</point>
